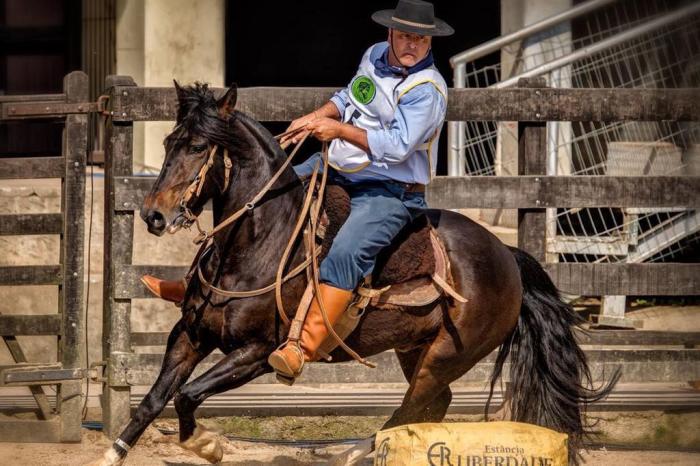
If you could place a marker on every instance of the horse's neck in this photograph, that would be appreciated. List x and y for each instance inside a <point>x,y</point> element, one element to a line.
<point>256,241</point>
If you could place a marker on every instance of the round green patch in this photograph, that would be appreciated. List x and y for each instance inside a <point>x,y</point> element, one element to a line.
<point>363,89</point>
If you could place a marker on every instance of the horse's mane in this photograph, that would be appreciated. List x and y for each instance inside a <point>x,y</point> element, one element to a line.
<point>198,113</point>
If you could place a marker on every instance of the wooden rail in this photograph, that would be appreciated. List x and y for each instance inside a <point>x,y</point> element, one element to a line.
<point>591,337</point>
<point>518,104</point>
<point>639,365</point>
<point>68,323</point>
<point>509,192</point>
<point>530,191</point>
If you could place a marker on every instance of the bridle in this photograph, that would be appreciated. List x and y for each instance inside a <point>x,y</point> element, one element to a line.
<point>194,190</point>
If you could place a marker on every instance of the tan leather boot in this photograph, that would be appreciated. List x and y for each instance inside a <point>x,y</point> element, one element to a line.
<point>169,290</point>
<point>288,361</point>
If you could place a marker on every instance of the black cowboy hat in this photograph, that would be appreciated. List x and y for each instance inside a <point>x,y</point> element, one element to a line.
<point>414,16</point>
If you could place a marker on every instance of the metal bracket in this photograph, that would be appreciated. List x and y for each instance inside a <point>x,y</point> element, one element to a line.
<point>95,374</point>
<point>51,108</point>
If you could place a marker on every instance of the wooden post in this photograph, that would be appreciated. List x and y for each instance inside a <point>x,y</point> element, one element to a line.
<point>118,244</point>
<point>532,160</point>
<point>72,340</point>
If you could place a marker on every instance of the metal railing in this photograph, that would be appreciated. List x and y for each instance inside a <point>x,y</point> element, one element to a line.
<point>455,130</point>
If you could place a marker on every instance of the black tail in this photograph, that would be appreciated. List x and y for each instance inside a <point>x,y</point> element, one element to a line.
<point>551,381</point>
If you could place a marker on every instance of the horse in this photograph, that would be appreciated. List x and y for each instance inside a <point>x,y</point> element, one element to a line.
<point>511,301</point>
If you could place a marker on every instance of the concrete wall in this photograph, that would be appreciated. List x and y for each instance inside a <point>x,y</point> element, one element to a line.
<point>162,40</point>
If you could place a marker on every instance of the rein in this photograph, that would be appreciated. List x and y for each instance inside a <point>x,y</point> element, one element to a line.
<point>308,215</point>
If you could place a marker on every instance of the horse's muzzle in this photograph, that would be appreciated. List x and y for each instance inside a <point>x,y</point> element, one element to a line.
<point>155,220</point>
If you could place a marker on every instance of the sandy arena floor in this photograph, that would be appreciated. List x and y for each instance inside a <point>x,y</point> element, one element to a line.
<point>156,449</point>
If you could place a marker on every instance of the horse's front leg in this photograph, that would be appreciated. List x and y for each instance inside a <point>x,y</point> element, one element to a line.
<point>179,361</point>
<point>235,369</point>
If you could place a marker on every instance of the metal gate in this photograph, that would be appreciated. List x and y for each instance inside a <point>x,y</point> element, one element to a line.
<point>59,421</point>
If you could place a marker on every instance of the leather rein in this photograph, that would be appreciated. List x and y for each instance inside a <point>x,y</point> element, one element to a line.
<point>308,216</point>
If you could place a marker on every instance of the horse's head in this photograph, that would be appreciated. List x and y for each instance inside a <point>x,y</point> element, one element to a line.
<point>197,164</point>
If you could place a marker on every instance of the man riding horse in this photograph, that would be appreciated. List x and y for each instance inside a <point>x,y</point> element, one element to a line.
<point>384,128</point>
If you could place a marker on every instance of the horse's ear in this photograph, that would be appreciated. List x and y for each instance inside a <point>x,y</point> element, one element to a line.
<point>179,90</point>
<point>228,102</point>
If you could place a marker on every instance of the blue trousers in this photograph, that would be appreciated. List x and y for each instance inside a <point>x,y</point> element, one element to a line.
<point>378,212</point>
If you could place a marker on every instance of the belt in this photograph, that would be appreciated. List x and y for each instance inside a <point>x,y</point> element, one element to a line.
<point>407,187</point>
<point>413,187</point>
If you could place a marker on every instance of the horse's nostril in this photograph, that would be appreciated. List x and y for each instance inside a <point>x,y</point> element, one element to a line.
<point>155,220</point>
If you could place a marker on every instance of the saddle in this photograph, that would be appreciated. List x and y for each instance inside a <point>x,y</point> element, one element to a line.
<point>409,272</point>
<point>413,271</point>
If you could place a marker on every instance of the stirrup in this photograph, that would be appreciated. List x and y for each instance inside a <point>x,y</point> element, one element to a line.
<point>281,365</point>
<point>283,379</point>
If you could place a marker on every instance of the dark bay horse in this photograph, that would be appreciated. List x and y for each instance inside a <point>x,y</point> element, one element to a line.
<point>512,303</point>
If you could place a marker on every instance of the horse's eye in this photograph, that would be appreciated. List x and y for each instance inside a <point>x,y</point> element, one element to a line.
<point>197,149</point>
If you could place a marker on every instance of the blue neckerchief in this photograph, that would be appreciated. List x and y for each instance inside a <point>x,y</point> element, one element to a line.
<point>382,65</point>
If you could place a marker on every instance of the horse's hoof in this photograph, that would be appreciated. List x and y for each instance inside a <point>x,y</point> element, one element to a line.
<point>354,455</point>
<point>110,458</point>
<point>205,444</point>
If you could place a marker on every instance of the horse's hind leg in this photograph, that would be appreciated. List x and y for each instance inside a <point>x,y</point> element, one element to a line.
<point>434,411</point>
<point>429,395</point>
<point>179,361</point>
<point>410,361</point>
<point>235,369</point>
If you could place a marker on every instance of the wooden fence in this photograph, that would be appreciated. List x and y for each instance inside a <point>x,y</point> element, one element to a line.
<point>531,192</point>
<point>63,422</point>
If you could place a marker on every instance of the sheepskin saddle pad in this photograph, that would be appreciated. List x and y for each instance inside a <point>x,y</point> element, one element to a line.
<point>405,270</point>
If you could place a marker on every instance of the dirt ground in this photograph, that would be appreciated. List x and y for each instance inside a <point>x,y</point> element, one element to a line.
<point>156,449</point>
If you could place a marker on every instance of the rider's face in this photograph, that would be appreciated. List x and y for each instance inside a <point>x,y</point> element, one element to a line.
<point>409,48</point>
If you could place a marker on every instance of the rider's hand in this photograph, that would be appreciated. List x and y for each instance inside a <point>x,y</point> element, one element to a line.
<point>298,123</point>
<point>325,129</point>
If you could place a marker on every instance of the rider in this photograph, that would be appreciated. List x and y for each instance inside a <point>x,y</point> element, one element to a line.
<point>383,129</point>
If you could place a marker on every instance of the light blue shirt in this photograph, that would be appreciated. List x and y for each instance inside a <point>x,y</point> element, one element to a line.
<point>418,115</point>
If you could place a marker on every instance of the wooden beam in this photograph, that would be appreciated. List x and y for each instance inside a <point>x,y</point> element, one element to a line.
<point>592,337</point>
<point>638,365</point>
<point>515,104</point>
<point>118,243</point>
<point>564,191</point>
<point>39,324</point>
<point>31,224</point>
<point>130,192</point>
<point>30,275</point>
<point>667,279</point>
<point>663,279</point>
<point>261,103</point>
<point>73,341</point>
<point>31,167</point>
<point>510,192</point>
<point>655,279</point>
<point>637,338</point>
<point>532,160</point>
<point>37,392</point>
<point>550,104</point>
